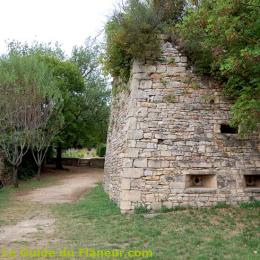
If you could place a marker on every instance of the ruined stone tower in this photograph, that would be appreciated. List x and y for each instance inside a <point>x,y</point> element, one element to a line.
<point>170,144</point>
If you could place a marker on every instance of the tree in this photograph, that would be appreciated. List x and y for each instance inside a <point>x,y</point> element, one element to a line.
<point>96,105</point>
<point>71,85</point>
<point>83,90</point>
<point>221,39</point>
<point>42,137</point>
<point>26,89</point>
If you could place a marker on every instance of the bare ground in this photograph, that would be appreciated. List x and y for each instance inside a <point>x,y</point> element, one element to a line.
<point>31,222</point>
<point>70,188</point>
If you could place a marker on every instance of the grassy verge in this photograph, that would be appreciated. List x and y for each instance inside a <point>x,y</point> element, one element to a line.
<point>11,210</point>
<point>217,233</point>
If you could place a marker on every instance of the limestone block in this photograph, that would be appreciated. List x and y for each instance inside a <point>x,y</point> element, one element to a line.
<point>134,173</point>
<point>150,69</point>
<point>132,123</point>
<point>131,195</point>
<point>161,68</point>
<point>125,184</point>
<point>137,67</point>
<point>148,172</point>
<point>178,185</point>
<point>127,163</point>
<point>125,205</point>
<point>140,163</point>
<point>151,146</point>
<point>146,84</point>
<point>132,153</point>
<point>135,134</point>
<point>149,198</point>
<point>154,163</point>
<point>165,164</point>
<point>172,70</point>
<point>131,143</point>
<point>148,135</point>
<point>166,153</point>
<point>202,149</point>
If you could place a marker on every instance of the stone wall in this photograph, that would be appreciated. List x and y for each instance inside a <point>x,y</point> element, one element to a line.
<point>116,146</point>
<point>165,145</point>
<point>95,162</point>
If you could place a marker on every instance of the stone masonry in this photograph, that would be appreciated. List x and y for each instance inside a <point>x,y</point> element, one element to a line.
<point>169,143</point>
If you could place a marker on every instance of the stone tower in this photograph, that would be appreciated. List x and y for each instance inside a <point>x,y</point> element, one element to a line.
<point>170,144</point>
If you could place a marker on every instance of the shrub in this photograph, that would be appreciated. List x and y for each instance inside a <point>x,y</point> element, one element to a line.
<point>74,153</point>
<point>101,150</point>
<point>133,33</point>
<point>141,209</point>
<point>221,39</point>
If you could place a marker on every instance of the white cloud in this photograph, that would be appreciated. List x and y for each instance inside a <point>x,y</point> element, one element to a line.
<point>69,22</point>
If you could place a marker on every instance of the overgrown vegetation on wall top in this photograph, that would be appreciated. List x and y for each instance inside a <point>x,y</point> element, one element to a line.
<point>221,39</point>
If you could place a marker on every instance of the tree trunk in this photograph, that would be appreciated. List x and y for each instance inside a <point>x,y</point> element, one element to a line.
<point>59,158</point>
<point>39,173</point>
<point>44,163</point>
<point>15,176</point>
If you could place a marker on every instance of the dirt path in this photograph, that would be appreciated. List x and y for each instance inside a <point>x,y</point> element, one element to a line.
<point>34,223</point>
<point>69,189</point>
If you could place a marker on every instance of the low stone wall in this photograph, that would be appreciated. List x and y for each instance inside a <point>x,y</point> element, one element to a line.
<point>167,143</point>
<point>91,162</point>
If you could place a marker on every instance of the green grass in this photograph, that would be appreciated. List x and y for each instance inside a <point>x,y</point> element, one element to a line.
<point>7,192</point>
<point>216,233</point>
<point>4,197</point>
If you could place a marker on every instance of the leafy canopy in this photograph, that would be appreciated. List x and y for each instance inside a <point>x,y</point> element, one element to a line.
<point>222,39</point>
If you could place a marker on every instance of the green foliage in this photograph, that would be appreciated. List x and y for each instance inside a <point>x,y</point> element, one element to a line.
<point>222,205</point>
<point>101,150</point>
<point>221,39</point>
<point>96,96</point>
<point>141,209</point>
<point>133,33</point>
<point>72,88</point>
<point>28,89</point>
<point>27,170</point>
<point>165,209</point>
<point>74,153</point>
<point>252,204</point>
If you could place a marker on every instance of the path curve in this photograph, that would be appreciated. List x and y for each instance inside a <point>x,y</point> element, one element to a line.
<point>71,186</point>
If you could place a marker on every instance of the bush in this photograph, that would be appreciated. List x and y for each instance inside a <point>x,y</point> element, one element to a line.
<point>221,38</point>
<point>141,209</point>
<point>133,33</point>
<point>101,150</point>
<point>74,153</point>
<point>28,168</point>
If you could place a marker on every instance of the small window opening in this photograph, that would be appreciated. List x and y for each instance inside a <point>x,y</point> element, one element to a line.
<point>212,102</point>
<point>201,181</point>
<point>252,181</point>
<point>227,129</point>
<point>160,141</point>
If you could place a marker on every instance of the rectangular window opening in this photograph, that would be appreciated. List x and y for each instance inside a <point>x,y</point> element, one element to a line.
<point>252,181</point>
<point>201,181</point>
<point>227,129</point>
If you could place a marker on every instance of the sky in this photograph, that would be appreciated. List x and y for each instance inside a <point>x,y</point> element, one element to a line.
<point>69,22</point>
